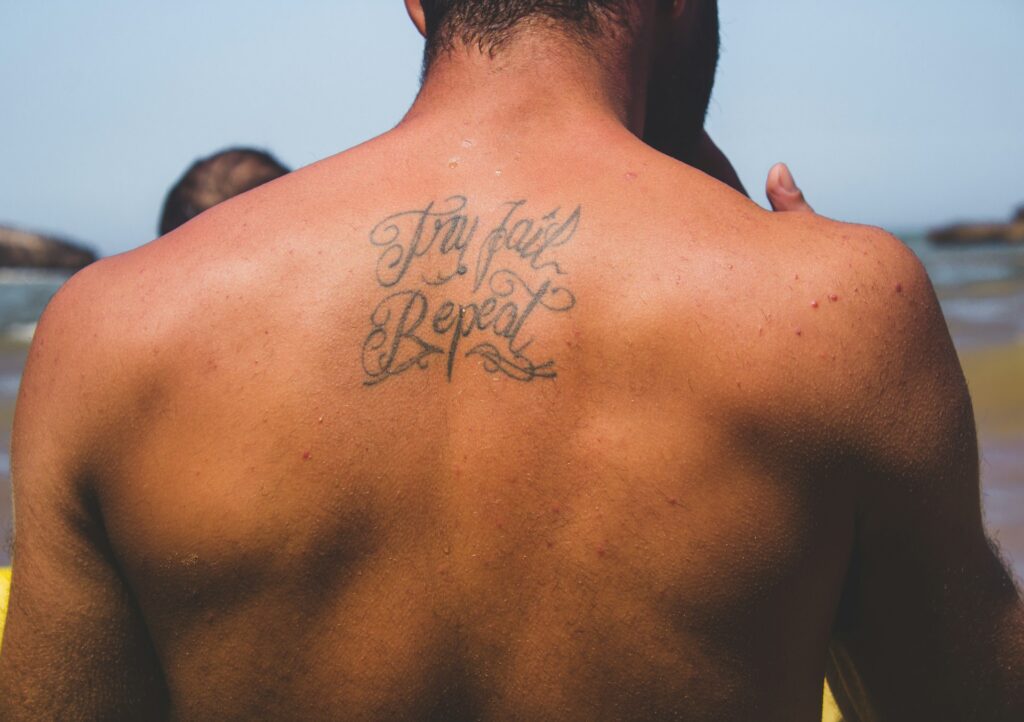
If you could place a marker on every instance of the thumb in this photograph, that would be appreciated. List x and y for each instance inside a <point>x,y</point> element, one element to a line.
<point>783,193</point>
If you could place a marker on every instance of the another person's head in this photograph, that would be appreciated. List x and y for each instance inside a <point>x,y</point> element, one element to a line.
<point>215,179</point>
<point>682,39</point>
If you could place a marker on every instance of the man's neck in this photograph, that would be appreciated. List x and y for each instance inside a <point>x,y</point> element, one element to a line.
<point>541,77</point>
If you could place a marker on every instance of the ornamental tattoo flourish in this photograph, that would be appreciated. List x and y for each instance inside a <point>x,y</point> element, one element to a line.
<point>502,279</point>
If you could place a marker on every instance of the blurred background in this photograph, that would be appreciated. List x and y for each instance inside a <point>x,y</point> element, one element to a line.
<point>907,115</point>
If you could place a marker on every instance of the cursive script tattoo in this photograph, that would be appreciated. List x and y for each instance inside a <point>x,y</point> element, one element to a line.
<point>502,277</point>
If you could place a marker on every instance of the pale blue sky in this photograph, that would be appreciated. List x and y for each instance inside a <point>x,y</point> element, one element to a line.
<point>902,114</point>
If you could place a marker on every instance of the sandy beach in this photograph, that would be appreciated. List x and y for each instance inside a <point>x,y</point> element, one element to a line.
<point>996,379</point>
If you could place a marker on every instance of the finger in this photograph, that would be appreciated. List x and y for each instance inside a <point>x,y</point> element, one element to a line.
<point>783,193</point>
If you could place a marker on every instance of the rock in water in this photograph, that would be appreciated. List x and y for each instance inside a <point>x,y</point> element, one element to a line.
<point>23,249</point>
<point>972,233</point>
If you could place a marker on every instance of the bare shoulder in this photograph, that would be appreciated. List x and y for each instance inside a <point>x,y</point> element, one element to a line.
<point>79,323</point>
<point>81,353</point>
<point>899,416</point>
<point>871,347</point>
<point>819,315</point>
<point>104,307</point>
<point>866,289</point>
<point>77,398</point>
<point>863,253</point>
<point>100,341</point>
<point>837,324</point>
<point>813,281</point>
<point>124,311</point>
<point>861,270</point>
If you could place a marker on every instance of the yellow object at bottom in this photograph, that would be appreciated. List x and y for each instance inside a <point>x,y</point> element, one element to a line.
<point>5,590</point>
<point>829,709</point>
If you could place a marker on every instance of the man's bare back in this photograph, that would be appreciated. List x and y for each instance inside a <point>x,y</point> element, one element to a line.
<point>491,419</point>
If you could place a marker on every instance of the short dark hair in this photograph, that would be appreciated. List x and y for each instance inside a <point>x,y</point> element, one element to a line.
<point>490,24</point>
<point>211,180</point>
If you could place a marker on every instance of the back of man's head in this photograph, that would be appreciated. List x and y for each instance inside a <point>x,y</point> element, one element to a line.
<point>215,179</point>
<point>684,49</point>
<point>490,24</point>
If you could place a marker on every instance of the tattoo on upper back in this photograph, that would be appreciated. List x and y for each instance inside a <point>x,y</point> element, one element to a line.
<point>497,275</point>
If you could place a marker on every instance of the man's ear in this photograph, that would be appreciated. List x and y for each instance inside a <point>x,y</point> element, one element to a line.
<point>415,10</point>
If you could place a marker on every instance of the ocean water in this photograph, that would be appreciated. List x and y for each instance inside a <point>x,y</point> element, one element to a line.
<point>982,294</point>
<point>981,290</point>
